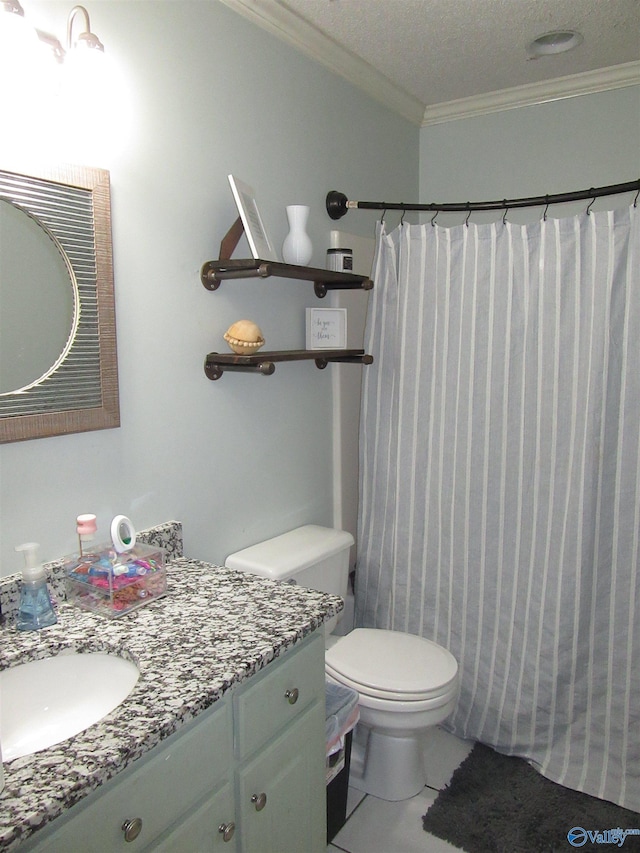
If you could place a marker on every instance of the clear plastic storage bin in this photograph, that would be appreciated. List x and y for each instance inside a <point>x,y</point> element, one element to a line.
<point>113,584</point>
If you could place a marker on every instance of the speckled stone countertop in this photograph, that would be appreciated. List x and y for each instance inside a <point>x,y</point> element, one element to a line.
<point>215,628</point>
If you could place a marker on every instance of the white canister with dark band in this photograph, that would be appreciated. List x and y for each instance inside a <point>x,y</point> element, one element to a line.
<point>340,260</point>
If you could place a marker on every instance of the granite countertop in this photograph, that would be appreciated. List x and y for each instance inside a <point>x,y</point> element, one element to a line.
<point>215,628</point>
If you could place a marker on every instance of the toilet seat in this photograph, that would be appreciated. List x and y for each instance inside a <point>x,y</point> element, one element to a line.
<point>395,701</point>
<point>397,704</point>
<point>393,665</point>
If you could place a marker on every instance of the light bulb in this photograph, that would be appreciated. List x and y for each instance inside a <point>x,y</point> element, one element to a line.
<point>28,73</point>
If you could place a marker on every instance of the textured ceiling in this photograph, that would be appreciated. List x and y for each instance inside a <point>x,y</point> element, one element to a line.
<point>439,51</point>
<point>443,50</point>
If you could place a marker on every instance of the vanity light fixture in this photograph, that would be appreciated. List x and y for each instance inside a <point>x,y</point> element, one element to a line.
<point>83,40</point>
<point>50,79</point>
<point>15,30</point>
<point>13,7</point>
<point>86,39</point>
<point>23,61</point>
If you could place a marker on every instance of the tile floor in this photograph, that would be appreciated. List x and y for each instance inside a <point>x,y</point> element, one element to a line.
<point>377,826</point>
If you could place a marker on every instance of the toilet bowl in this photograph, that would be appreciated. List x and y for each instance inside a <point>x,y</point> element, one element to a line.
<point>406,683</point>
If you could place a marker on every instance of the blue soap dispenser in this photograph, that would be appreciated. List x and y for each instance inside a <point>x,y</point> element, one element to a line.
<point>35,610</point>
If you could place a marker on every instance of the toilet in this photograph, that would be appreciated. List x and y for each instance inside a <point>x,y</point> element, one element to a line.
<point>406,683</point>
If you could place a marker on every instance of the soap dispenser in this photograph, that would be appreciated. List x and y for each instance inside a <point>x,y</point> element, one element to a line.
<point>35,610</point>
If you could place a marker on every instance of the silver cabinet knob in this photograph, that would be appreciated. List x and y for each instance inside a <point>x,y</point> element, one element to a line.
<point>132,828</point>
<point>291,696</point>
<point>227,830</point>
<point>259,801</point>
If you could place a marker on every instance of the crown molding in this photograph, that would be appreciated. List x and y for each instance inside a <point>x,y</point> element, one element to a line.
<point>290,27</point>
<point>589,82</point>
<point>279,21</point>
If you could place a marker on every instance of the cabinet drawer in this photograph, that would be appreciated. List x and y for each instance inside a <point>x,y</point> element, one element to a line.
<point>157,790</point>
<point>203,830</point>
<point>269,702</point>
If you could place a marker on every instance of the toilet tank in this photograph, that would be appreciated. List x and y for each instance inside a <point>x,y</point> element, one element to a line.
<point>311,556</point>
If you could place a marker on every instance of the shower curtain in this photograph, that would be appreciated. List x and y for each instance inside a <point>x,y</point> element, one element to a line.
<point>500,489</point>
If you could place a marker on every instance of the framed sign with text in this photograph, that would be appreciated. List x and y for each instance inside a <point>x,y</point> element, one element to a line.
<point>326,328</point>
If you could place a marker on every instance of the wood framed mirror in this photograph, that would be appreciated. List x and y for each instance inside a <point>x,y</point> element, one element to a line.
<point>58,361</point>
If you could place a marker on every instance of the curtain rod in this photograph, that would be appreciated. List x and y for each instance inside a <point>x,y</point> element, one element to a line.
<point>338,203</point>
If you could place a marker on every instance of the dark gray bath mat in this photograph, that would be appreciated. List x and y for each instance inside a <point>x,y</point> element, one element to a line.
<point>499,804</point>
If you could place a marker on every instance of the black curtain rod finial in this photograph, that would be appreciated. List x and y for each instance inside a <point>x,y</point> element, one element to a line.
<point>336,204</point>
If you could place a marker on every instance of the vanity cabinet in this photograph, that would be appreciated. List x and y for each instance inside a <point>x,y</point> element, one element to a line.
<point>278,799</point>
<point>279,735</point>
<point>246,776</point>
<point>214,272</point>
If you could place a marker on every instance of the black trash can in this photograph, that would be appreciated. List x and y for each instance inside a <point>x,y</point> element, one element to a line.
<point>341,716</point>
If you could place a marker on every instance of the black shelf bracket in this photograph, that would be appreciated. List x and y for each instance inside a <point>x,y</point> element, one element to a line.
<point>213,272</point>
<point>265,363</point>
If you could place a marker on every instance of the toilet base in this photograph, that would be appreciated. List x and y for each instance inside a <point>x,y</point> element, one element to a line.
<point>385,766</point>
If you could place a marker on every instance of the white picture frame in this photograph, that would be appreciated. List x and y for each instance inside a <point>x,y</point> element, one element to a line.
<point>326,328</point>
<point>255,232</point>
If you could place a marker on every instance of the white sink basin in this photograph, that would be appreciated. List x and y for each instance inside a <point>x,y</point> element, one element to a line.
<point>46,701</point>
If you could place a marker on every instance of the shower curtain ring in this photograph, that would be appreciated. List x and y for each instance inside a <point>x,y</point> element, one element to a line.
<point>466,222</point>
<point>384,213</point>
<point>435,215</point>
<point>544,218</point>
<point>506,210</point>
<point>404,210</point>
<point>635,201</point>
<point>590,203</point>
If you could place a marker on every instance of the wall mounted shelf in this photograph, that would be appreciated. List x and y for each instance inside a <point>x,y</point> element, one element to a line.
<point>213,272</point>
<point>264,362</point>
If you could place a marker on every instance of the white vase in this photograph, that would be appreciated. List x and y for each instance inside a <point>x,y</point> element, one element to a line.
<point>297,248</point>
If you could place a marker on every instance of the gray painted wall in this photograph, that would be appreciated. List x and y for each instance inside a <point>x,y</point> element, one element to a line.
<point>571,144</point>
<point>248,457</point>
<point>245,457</point>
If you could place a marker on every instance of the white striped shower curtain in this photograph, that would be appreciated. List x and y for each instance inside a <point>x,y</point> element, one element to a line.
<point>500,488</point>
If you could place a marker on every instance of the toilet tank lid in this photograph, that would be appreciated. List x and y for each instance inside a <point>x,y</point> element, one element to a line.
<point>291,552</point>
